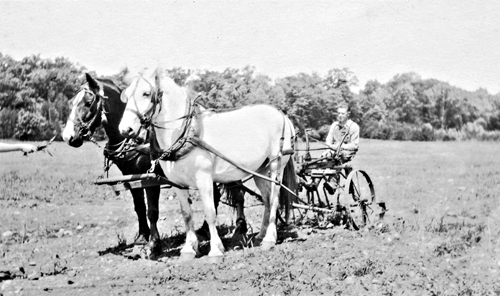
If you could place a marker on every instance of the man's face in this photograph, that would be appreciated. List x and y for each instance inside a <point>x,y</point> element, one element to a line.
<point>342,115</point>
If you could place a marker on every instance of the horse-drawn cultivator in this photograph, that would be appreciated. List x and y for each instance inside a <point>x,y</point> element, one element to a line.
<point>196,147</point>
<point>329,193</point>
<point>334,191</point>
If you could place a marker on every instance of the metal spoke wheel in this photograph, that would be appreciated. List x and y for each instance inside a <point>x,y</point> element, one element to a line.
<point>360,200</point>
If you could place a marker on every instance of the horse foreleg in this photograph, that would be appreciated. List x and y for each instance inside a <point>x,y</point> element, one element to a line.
<point>153,196</point>
<point>205,188</point>
<point>203,231</point>
<point>140,208</point>
<point>190,249</point>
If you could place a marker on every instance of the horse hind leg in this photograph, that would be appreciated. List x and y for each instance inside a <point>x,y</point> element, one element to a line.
<point>153,196</point>
<point>239,237</point>
<point>270,232</point>
<point>142,237</point>
<point>265,190</point>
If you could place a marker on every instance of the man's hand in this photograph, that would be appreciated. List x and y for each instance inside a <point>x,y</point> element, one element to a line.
<point>327,153</point>
<point>334,147</point>
<point>28,148</point>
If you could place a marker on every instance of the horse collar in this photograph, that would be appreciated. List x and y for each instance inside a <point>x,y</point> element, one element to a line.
<point>183,145</point>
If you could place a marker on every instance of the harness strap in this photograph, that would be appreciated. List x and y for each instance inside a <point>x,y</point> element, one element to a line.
<point>188,131</point>
<point>202,144</point>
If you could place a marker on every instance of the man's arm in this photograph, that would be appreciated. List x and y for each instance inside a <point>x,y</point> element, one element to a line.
<point>330,139</point>
<point>354,135</point>
<point>17,147</point>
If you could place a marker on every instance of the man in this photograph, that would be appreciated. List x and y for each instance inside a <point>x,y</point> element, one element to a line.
<point>343,133</point>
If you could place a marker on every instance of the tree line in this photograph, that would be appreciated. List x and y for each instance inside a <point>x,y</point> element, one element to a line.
<point>35,94</point>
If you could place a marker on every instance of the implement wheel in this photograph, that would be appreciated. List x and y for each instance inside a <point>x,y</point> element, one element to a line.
<point>361,201</point>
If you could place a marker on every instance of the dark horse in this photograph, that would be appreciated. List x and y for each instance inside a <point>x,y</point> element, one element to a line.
<point>98,103</point>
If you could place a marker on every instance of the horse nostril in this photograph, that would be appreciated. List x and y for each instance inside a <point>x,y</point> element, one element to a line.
<point>75,142</point>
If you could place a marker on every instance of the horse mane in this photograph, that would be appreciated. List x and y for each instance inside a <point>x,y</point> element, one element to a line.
<point>167,83</point>
<point>109,83</point>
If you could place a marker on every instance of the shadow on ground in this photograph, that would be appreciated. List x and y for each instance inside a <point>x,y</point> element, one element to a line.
<point>170,246</point>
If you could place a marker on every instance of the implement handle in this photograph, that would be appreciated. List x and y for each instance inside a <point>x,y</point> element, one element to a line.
<point>125,178</point>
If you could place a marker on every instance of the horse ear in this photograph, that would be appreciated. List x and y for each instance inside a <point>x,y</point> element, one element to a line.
<point>95,84</point>
<point>92,82</point>
<point>158,76</point>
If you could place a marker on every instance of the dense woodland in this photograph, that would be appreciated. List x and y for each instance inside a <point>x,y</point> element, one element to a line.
<point>35,94</point>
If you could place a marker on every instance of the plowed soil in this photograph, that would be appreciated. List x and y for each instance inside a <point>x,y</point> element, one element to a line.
<point>63,235</point>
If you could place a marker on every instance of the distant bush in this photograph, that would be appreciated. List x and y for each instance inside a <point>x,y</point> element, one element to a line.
<point>470,131</point>
<point>423,133</point>
<point>397,131</point>
<point>8,121</point>
<point>404,132</point>
<point>31,126</point>
<point>323,132</point>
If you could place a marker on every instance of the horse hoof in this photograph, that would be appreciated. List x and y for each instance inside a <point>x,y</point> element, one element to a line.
<point>216,253</point>
<point>187,257</point>
<point>241,226</point>
<point>155,247</point>
<point>266,245</point>
<point>240,240</point>
<point>141,240</point>
<point>257,242</point>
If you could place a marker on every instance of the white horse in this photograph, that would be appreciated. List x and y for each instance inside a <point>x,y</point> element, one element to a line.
<point>201,147</point>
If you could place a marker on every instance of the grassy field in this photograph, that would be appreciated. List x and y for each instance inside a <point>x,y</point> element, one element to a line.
<point>441,235</point>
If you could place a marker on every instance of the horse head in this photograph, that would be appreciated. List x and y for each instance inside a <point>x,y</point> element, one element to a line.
<point>149,96</point>
<point>86,113</point>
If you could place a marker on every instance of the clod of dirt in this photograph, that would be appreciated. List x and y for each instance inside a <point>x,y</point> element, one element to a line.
<point>35,275</point>
<point>349,280</point>
<point>7,234</point>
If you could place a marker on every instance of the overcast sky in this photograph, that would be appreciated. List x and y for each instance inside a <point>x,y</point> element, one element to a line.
<point>453,41</point>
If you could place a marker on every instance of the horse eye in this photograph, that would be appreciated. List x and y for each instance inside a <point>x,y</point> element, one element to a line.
<point>147,93</point>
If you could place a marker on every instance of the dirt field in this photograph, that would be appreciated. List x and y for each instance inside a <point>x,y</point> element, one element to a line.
<point>62,235</point>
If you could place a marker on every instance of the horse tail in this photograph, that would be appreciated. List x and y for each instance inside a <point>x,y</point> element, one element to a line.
<point>290,181</point>
<point>234,193</point>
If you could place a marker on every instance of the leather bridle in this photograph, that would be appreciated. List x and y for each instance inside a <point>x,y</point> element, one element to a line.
<point>87,124</point>
<point>146,118</point>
